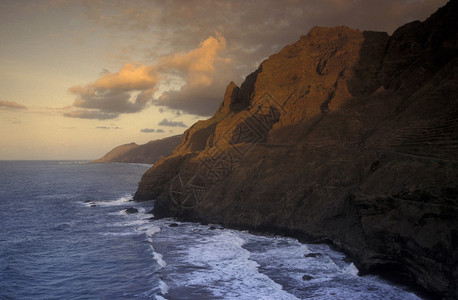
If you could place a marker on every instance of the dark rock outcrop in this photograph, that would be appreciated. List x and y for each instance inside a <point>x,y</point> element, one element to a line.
<point>131,210</point>
<point>307,277</point>
<point>147,153</point>
<point>345,136</point>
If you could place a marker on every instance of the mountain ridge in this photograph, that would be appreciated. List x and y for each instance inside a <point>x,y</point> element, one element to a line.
<point>147,153</point>
<point>345,136</point>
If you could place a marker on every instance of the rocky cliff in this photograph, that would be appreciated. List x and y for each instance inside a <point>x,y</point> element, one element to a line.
<point>147,153</point>
<point>344,136</point>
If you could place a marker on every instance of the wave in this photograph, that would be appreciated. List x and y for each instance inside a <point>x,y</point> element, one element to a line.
<point>159,259</point>
<point>352,270</point>
<point>152,230</point>
<point>105,203</point>
<point>218,262</point>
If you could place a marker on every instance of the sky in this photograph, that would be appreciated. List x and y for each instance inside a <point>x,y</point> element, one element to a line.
<point>80,77</point>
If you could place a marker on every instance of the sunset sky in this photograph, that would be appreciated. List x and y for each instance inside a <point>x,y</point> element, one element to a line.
<point>78,78</point>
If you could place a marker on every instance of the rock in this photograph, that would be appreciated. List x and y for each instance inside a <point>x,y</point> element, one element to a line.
<point>312,254</point>
<point>173,225</point>
<point>307,277</point>
<point>212,227</point>
<point>93,205</point>
<point>131,210</point>
<point>346,259</point>
<point>345,136</point>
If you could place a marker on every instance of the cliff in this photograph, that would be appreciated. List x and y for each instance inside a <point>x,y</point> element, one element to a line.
<point>147,153</point>
<point>344,136</point>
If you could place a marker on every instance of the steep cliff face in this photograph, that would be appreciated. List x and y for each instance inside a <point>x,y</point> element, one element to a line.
<point>147,153</point>
<point>345,136</point>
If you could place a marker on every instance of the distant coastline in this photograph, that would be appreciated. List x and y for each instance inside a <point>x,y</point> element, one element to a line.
<point>147,153</point>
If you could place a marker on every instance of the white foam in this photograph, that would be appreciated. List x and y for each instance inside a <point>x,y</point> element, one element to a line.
<point>117,202</point>
<point>164,288</point>
<point>222,265</point>
<point>152,230</point>
<point>130,222</point>
<point>351,269</point>
<point>159,258</point>
<point>131,233</point>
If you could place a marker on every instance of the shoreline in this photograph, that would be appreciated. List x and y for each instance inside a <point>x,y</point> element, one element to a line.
<point>393,277</point>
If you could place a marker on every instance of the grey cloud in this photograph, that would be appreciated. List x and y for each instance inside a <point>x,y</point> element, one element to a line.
<point>107,104</point>
<point>166,122</point>
<point>148,130</point>
<point>108,127</point>
<point>91,114</point>
<point>197,100</point>
<point>111,101</point>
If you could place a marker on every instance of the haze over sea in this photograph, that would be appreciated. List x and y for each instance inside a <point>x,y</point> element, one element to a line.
<point>65,235</point>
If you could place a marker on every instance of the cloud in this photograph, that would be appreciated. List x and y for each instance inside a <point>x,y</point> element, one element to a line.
<point>129,90</point>
<point>235,37</point>
<point>198,64</point>
<point>150,130</point>
<point>206,71</point>
<point>11,105</point>
<point>130,77</point>
<point>108,127</point>
<point>166,122</point>
<point>91,114</point>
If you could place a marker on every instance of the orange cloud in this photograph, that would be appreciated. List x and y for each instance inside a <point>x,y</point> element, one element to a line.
<point>205,70</point>
<point>201,59</point>
<point>129,90</point>
<point>113,93</point>
<point>197,67</point>
<point>130,77</point>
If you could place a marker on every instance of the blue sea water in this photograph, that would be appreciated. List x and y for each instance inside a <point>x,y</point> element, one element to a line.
<point>64,234</point>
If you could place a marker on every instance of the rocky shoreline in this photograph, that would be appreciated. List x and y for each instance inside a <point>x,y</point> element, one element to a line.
<point>391,275</point>
<point>345,136</point>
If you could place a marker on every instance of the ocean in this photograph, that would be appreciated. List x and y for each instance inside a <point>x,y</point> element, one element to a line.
<point>65,234</point>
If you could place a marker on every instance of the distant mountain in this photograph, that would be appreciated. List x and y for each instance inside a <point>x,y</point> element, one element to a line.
<point>148,153</point>
<point>344,136</point>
